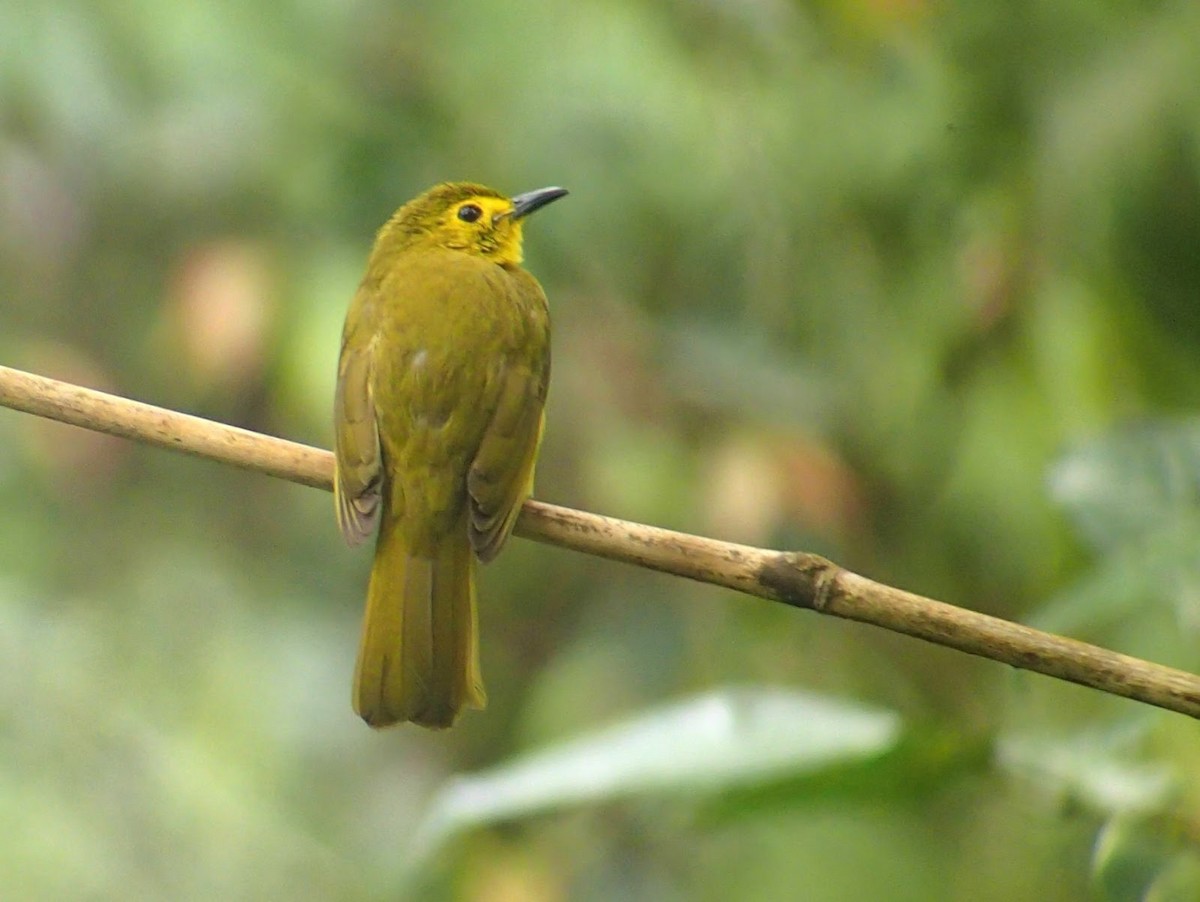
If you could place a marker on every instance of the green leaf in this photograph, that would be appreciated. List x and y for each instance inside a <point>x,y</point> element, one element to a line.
<point>1088,769</point>
<point>1127,859</point>
<point>1124,486</point>
<point>925,761</point>
<point>1145,859</point>
<point>732,737</point>
<point>1134,495</point>
<point>1159,569</point>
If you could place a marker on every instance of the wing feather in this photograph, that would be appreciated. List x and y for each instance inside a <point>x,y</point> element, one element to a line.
<point>356,445</point>
<point>501,475</point>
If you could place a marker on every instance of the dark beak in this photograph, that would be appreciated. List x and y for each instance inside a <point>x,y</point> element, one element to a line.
<point>524,204</point>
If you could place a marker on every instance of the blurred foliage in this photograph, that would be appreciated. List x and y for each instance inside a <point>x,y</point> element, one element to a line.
<point>913,285</point>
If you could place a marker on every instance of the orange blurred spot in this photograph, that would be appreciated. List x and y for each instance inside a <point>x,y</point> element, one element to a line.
<point>221,309</point>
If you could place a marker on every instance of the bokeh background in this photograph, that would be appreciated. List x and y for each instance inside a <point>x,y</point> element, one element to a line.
<point>912,285</point>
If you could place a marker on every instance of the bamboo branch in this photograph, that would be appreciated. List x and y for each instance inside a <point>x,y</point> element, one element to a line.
<point>794,578</point>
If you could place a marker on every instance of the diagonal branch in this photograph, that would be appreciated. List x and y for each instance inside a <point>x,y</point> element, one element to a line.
<point>795,578</point>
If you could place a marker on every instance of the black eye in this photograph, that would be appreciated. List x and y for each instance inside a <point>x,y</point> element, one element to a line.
<point>469,212</point>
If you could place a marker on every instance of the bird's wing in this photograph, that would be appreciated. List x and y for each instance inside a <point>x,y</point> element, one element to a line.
<point>356,444</point>
<point>501,475</point>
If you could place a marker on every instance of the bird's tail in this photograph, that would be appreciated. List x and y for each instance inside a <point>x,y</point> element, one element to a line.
<point>419,655</point>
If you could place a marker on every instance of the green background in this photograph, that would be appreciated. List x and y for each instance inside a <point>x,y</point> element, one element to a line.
<point>912,285</point>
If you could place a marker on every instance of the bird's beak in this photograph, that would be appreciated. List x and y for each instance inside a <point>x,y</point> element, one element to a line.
<point>524,204</point>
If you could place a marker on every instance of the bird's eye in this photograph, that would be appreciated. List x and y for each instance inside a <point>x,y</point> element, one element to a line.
<point>469,212</point>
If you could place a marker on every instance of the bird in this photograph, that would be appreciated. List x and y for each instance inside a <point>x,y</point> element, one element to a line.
<point>438,416</point>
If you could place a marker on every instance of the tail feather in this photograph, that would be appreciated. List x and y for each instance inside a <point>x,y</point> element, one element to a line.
<point>419,655</point>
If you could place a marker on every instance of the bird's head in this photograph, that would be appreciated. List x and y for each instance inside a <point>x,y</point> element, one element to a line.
<point>468,217</point>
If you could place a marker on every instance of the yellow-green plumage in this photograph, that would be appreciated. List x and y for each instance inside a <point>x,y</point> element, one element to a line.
<point>442,380</point>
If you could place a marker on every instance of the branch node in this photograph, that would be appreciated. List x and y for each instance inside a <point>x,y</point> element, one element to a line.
<point>825,586</point>
<point>800,579</point>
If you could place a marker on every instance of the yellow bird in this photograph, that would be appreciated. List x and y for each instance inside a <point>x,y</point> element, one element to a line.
<point>438,415</point>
